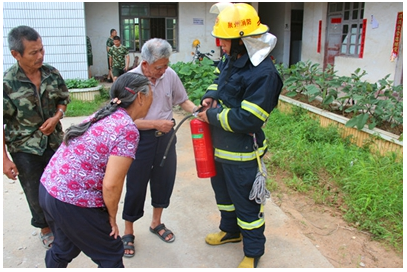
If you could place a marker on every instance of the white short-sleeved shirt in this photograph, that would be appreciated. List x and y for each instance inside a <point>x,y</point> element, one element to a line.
<point>168,92</point>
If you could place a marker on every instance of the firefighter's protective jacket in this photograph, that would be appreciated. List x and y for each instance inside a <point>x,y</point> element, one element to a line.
<point>246,95</point>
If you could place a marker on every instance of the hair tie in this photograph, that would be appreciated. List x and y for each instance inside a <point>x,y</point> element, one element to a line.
<point>93,120</point>
<point>115,101</point>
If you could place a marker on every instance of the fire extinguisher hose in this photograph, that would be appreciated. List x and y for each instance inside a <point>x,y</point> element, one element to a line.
<point>172,138</point>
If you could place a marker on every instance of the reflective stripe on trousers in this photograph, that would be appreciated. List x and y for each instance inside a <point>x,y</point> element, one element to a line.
<point>232,186</point>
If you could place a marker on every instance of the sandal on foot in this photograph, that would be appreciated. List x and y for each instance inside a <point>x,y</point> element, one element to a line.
<point>167,232</point>
<point>126,239</point>
<point>47,239</point>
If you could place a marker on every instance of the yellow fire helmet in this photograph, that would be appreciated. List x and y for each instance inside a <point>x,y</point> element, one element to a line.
<point>237,21</point>
<point>195,43</point>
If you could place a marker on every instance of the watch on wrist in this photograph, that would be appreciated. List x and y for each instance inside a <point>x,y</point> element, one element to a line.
<point>63,113</point>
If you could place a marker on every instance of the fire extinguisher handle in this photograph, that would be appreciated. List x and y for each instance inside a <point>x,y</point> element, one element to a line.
<point>172,138</point>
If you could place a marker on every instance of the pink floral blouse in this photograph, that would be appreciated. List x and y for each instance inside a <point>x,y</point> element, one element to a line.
<point>75,173</point>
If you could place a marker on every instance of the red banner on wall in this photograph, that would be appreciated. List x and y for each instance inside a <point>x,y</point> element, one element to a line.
<point>397,36</point>
<point>319,36</point>
<point>362,42</point>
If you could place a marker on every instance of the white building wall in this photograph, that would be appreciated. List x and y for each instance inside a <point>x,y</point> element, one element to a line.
<point>274,15</point>
<point>313,13</point>
<point>102,16</point>
<point>188,32</point>
<point>62,28</point>
<point>378,43</point>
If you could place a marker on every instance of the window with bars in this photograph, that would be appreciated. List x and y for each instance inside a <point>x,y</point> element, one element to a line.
<point>352,26</point>
<point>140,22</point>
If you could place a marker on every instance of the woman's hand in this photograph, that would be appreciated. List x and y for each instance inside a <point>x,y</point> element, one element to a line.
<point>115,228</point>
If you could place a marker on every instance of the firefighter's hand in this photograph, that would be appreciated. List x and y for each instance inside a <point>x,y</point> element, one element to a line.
<point>164,125</point>
<point>203,117</point>
<point>208,103</point>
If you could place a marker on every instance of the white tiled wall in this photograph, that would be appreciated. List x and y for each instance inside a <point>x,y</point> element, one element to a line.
<point>62,28</point>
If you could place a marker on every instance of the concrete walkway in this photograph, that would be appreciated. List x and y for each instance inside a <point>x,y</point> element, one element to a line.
<point>191,215</point>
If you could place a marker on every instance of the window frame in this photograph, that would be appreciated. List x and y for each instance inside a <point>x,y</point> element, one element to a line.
<point>352,35</point>
<point>127,32</point>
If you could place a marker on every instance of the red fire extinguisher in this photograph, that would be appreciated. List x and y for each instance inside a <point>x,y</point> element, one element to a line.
<point>203,150</point>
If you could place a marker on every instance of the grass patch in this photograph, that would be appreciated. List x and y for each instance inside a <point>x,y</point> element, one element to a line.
<point>367,187</point>
<point>85,108</point>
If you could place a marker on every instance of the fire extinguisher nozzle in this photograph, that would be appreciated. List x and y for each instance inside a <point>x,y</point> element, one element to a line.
<point>162,162</point>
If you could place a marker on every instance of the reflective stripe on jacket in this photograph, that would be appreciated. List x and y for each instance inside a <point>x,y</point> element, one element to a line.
<point>246,96</point>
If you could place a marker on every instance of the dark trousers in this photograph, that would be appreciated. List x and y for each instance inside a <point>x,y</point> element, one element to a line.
<point>232,185</point>
<point>146,167</point>
<point>30,168</point>
<point>79,229</point>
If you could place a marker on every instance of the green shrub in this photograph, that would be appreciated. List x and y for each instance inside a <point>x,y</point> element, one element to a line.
<point>81,83</point>
<point>195,77</point>
<point>372,104</point>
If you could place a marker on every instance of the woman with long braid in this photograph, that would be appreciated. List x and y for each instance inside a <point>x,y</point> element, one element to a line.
<point>82,184</point>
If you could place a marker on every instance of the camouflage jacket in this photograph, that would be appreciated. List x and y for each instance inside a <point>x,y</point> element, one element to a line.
<point>109,43</point>
<point>118,55</point>
<point>25,109</point>
<point>88,47</point>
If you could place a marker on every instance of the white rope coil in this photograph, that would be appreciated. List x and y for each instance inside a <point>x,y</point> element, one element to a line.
<point>259,190</point>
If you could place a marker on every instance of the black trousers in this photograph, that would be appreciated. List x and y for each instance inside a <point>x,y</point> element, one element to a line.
<point>232,185</point>
<point>79,229</point>
<point>30,168</point>
<point>146,168</point>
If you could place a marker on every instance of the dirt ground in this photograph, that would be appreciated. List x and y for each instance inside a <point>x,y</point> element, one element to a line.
<point>343,245</point>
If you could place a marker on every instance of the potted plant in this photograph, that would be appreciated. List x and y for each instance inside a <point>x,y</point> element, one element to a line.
<point>83,89</point>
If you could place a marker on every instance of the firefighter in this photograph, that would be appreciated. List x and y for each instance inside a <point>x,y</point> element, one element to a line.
<point>236,106</point>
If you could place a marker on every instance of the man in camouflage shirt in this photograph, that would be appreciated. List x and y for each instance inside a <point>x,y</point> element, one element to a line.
<point>119,58</point>
<point>35,98</point>
<point>109,44</point>
<point>89,55</point>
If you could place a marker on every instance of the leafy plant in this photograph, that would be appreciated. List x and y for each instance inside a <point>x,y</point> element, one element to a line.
<point>81,83</point>
<point>326,86</point>
<point>372,104</point>
<point>375,103</point>
<point>195,77</point>
<point>300,76</point>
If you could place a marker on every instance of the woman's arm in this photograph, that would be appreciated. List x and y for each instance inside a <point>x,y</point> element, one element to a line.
<point>116,171</point>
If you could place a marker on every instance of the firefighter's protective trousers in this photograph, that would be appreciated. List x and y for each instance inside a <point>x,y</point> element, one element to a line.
<point>232,186</point>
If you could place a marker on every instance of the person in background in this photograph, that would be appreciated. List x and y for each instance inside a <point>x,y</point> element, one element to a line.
<point>109,44</point>
<point>89,55</point>
<point>82,184</point>
<point>236,106</point>
<point>119,58</point>
<point>35,98</point>
<point>156,130</point>
<point>135,62</point>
